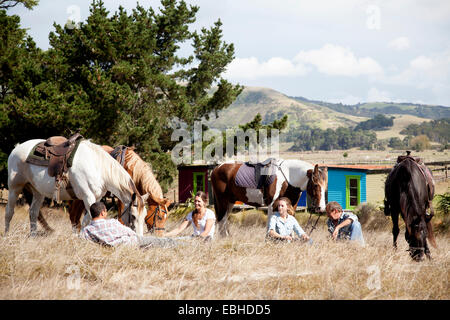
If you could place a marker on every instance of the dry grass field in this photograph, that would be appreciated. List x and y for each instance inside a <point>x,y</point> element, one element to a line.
<point>243,266</point>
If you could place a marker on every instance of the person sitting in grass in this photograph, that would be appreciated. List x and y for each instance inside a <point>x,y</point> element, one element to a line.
<point>110,232</point>
<point>201,218</point>
<point>282,223</point>
<point>343,225</point>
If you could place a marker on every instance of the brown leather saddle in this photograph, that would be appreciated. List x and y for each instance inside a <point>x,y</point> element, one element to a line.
<point>56,153</point>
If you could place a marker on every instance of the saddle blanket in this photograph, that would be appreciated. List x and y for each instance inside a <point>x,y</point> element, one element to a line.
<point>246,178</point>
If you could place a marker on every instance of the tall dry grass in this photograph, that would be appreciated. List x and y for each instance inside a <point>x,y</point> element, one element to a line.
<point>243,266</point>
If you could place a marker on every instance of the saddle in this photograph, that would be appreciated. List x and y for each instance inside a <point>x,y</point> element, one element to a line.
<point>56,153</point>
<point>263,171</point>
<point>256,175</point>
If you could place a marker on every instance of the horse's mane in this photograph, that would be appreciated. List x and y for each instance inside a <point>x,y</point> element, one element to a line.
<point>112,171</point>
<point>143,176</point>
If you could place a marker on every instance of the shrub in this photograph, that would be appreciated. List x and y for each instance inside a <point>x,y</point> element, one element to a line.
<point>442,217</point>
<point>371,217</point>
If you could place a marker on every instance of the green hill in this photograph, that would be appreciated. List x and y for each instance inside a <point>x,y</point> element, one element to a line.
<point>273,105</point>
<point>371,109</point>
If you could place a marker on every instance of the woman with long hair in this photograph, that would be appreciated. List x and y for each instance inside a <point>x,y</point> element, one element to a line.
<point>202,219</point>
<point>282,223</point>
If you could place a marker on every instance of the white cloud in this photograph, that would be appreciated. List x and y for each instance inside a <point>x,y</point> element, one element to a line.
<point>251,68</point>
<point>375,95</point>
<point>422,63</point>
<point>339,61</point>
<point>424,72</point>
<point>400,43</point>
<point>330,60</point>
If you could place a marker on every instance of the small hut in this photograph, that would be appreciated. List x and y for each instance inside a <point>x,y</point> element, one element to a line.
<point>351,185</point>
<point>193,178</point>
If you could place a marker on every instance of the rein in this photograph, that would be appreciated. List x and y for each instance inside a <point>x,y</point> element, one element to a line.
<point>315,223</point>
<point>281,170</point>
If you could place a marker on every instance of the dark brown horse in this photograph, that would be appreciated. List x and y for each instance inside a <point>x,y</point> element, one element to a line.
<point>287,178</point>
<point>142,175</point>
<point>409,189</point>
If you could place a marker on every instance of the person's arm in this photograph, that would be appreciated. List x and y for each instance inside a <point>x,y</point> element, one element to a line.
<point>208,226</point>
<point>179,229</point>
<point>343,224</point>
<point>272,233</point>
<point>123,228</point>
<point>299,231</point>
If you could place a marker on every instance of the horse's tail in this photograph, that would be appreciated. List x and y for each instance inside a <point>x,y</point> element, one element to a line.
<point>387,208</point>
<point>430,234</point>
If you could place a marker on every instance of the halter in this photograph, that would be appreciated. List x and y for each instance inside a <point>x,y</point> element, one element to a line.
<point>155,215</point>
<point>127,210</point>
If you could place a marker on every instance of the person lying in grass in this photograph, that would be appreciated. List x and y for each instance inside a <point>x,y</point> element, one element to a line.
<point>110,232</point>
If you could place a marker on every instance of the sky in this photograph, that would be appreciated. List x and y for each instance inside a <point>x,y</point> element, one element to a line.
<point>350,51</point>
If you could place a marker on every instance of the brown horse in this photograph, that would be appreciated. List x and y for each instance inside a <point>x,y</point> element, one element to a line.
<point>409,189</point>
<point>288,178</point>
<point>143,177</point>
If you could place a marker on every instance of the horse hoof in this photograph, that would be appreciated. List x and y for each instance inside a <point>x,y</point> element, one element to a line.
<point>35,234</point>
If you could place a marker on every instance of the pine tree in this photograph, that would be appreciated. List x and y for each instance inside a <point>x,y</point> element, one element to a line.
<point>120,79</point>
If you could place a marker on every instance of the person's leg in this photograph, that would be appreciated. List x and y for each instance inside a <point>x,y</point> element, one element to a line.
<point>151,241</point>
<point>357,232</point>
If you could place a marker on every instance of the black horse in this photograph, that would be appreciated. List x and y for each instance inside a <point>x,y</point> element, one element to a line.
<point>409,189</point>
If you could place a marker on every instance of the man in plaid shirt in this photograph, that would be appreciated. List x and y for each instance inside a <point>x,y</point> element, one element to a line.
<point>111,232</point>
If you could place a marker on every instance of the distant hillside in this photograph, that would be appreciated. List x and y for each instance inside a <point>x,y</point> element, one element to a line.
<point>273,105</point>
<point>374,108</point>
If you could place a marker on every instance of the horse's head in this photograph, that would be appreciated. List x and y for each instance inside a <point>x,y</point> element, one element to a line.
<point>417,238</point>
<point>135,212</point>
<point>317,186</point>
<point>157,214</point>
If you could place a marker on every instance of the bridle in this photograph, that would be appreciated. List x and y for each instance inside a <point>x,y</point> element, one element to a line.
<point>127,213</point>
<point>155,215</point>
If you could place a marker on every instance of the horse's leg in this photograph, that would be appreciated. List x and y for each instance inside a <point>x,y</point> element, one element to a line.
<point>430,234</point>
<point>88,201</point>
<point>427,249</point>
<point>76,209</point>
<point>269,215</point>
<point>28,195</point>
<point>13,194</point>
<point>36,204</point>
<point>44,223</point>
<point>223,224</point>
<point>395,228</point>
